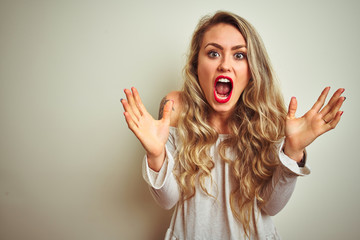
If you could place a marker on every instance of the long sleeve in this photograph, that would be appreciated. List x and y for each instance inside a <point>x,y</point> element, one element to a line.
<point>162,184</point>
<point>282,185</point>
<point>204,217</point>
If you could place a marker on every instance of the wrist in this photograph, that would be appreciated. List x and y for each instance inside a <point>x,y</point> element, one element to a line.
<point>295,155</point>
<point>155,162</point>
<point>292,150</point>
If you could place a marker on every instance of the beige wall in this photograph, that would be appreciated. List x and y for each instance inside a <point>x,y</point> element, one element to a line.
<point>70,168</point>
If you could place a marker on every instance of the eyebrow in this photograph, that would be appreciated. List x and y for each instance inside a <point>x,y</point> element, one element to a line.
<point>221,48</point>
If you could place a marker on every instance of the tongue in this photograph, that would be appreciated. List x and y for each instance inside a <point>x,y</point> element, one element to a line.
<point>222,88</point>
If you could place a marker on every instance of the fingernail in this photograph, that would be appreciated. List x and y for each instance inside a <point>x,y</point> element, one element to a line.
<point>341,113</point>
<point>343,90</point>
<point>344,99</point>
<point>121,99</point>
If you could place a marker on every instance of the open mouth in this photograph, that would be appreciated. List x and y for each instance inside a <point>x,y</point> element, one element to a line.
<point>223,89</point>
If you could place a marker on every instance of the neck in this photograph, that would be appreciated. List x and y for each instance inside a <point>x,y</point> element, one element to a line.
<point>219,122</point>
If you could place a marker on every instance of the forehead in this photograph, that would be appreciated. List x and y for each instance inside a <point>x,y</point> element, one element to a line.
<point>223,34</point>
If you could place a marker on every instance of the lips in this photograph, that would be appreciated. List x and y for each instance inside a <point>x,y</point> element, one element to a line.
<point>223,89</point>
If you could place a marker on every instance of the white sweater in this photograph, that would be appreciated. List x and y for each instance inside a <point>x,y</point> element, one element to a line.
<point>203,217</point>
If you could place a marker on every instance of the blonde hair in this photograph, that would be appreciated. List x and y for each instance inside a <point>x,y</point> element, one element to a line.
<point>256,126</point>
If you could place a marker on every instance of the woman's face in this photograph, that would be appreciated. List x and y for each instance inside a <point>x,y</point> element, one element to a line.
<point>223,69</point>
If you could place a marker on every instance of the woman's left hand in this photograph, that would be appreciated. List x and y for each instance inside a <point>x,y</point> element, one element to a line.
<point>300,132</point>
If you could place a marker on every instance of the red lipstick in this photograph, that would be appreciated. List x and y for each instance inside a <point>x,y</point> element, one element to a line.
<point>223,87</point>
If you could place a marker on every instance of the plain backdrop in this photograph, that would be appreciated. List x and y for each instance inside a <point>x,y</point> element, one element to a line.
<point>70,168</point>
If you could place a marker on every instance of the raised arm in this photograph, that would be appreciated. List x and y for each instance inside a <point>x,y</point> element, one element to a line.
<point>300,132</point>
<point>152,134</point>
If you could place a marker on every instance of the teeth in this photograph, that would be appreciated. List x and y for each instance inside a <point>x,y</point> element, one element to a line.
<point>224,80</point>
<point>222,97</point>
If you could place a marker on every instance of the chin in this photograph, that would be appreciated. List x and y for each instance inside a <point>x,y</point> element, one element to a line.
<point>224,108</point>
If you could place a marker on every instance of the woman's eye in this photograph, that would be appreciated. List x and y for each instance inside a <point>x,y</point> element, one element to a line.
<point>239,55</point>
<point>213,54</point>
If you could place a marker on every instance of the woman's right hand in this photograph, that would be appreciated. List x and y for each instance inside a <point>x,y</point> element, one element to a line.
<point>152,134</point>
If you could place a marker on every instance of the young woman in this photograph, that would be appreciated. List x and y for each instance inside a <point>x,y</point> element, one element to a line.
<point>225,151</point>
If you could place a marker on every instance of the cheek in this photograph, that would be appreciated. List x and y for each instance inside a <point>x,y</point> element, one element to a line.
<point>201,69</point>
<point>204,77</point>
<point>243,73</point>
<point>205,86</point>
<point>243,79</point>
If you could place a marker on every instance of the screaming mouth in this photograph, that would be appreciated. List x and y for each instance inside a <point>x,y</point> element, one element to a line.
<point>223,89</point>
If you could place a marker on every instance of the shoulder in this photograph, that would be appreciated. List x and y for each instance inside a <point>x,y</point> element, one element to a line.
<point>177,106</point>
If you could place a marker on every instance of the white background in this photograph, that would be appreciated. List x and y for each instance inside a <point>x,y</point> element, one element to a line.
<point>70,168</point>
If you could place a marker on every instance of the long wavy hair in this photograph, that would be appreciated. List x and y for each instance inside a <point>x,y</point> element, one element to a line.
<point>256,126</point>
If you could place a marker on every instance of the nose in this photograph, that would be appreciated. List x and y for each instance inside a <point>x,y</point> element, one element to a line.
<point>224,65</point>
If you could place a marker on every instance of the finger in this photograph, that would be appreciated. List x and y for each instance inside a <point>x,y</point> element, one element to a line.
<point>334,100</point>
<point>321,100</point>
<point>138,101</point>
<point>128,110</point>
<point>131,123</point>
<point>167,111</point>
<point>335,121</point>
<point>334,110</point>
<point>292,108</point>
<point>130,99</point>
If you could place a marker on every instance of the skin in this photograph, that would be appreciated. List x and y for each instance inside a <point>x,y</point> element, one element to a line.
<point>222,53</point>
<point>162,105</point>
<point>299,132</point>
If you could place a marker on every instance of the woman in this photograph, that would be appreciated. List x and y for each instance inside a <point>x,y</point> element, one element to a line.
<point>225,151</point>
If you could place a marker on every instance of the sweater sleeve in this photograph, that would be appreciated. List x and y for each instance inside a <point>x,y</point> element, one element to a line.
<point>162,184</point>
<point>279,190</point>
